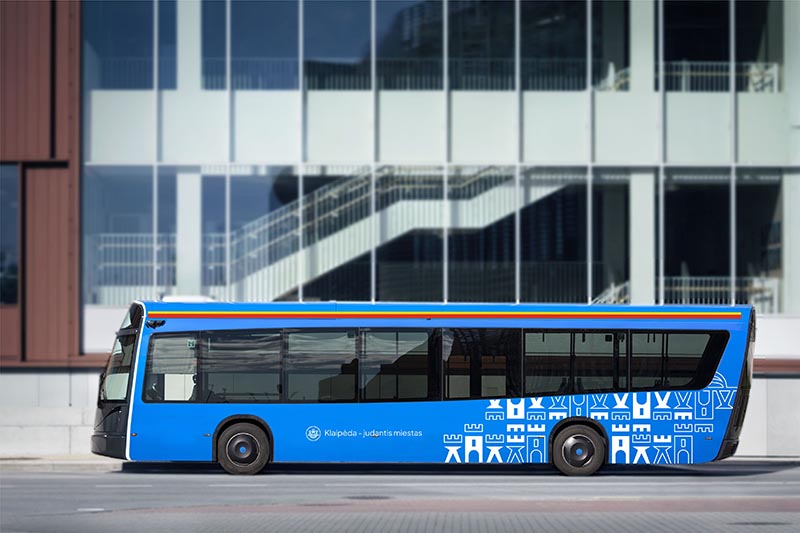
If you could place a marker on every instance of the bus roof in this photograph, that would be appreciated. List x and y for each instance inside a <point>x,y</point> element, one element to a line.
<point>161,309</point>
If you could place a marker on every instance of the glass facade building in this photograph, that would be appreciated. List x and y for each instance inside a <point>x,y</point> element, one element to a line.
<point>500,151</point>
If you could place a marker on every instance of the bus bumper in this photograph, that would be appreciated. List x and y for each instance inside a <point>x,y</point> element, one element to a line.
<point>109,445</point>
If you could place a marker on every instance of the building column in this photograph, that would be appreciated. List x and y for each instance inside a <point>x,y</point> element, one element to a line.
<point>642,32</point>
<point>189,234</point>
<point>189,45</point>
<point>791,81</point>
<point>791,242</point>
<point>642,241</point>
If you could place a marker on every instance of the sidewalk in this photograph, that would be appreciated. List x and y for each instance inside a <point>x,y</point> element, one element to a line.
<point>62,463</point>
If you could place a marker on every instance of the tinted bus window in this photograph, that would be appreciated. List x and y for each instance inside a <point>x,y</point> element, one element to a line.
<point>684,354</point>
<point>171,372</point>
<point>598,362</point>
<point>395,365</point>
<point>547,362</point>
<point>241,366</point>
<point>482,363</point>
<point>321,366</point>
<point>675,360</point>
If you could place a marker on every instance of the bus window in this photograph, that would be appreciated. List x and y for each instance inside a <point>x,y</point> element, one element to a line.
<point>647,364</point>
<point>171,370</point>
<point>241,366</point>
<point>599,360</point>
<point>482,363</point>
<point>547,360</point>
<point>321,366</point>
<point>675,360</point>
<point>394,365</point>
<point>684,353</point>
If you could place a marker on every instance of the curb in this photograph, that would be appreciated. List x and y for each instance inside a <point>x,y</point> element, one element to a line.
<point>45,465</point>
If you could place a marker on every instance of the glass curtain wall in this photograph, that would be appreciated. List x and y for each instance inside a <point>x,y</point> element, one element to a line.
<point>292,150</point>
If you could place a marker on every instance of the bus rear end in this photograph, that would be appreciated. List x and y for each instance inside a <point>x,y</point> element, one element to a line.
<point>113,399</point>
<point>731,440</point>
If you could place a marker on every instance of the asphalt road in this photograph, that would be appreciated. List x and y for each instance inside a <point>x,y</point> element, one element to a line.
<point>730,496</point>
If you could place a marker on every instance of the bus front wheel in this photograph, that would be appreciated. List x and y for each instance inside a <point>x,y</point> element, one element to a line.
<point>243,449</point>
<point>578,451</point>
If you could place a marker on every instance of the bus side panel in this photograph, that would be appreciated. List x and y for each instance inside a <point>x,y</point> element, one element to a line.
<point>671,427</point>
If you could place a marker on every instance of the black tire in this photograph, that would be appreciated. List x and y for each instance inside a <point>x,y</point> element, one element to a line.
<point>578,451</point>
<point>243,449</point>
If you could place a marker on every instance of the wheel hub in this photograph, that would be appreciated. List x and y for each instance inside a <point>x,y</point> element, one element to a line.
<point>242,448</point>
<point>578,451</point>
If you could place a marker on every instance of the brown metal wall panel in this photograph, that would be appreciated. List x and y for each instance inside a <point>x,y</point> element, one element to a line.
<point>26,80</point>
<point>9,333</point>
<point>63,85</point>
<point>48,308</point>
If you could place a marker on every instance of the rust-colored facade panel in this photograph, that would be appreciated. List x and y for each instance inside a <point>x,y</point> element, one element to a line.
<point>47,237</point>
<point>67,50</point>
<point>9,333</point>
<point>26,79</point>
<point>40,131</point>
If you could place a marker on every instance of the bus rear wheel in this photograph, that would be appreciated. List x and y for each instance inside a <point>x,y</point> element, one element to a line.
<point>578,451</point>
<point>243,449</point>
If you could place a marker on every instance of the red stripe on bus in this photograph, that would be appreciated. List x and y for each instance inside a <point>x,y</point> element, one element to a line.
<point>638,316</point>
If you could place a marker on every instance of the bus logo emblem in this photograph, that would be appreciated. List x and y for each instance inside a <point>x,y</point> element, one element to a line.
<point>313,433</point>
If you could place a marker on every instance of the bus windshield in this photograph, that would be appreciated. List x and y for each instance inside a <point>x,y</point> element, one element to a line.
<point>114,386</point>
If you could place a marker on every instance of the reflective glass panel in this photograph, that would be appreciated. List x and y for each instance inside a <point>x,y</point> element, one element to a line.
<point>9,234</point>
<point>553,45</point>
<point>697,236</point>
<point>117,225</point>
<point>408,204</point>
<point>481,45</point>
<point>337,45</point>
<point>480,234</point>
<point>759,239</point>
<point>213,44</point>
<point>409,44</point>
<point>336,233</point>
<point>611,45</point>
<point>117,45</point>
<point>611,230</point>
<point>264,236</point>
<point>264,45</point>
<point>553,235</point>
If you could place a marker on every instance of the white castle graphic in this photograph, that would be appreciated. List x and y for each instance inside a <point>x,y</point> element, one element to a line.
<point>642,427</point>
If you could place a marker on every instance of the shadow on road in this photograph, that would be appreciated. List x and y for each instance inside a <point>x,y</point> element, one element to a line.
<point>721,469</point>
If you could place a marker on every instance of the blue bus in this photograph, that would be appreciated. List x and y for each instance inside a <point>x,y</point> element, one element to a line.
<point>246,384</point>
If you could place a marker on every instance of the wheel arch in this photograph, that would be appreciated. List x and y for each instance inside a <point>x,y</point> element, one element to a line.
<point>235,419</point>
<point>578,421</point>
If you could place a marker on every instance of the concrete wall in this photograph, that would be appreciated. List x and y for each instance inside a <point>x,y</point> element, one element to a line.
<point>47,413</point>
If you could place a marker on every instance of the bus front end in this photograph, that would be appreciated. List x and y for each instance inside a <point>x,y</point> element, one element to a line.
<point>113,397</point>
